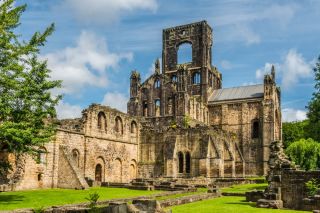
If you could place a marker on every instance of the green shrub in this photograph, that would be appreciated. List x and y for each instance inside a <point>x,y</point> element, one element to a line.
<point>312,187</point>
<point>305,153</point>
<point>93,199</point>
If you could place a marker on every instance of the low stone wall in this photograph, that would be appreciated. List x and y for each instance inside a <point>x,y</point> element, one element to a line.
<point>187,199</point>
<point>293,189</point>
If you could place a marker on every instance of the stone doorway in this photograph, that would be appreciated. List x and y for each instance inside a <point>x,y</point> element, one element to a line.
<point>98,173</point>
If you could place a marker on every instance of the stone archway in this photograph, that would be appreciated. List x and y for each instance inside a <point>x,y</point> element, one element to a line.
<point>98,173</point>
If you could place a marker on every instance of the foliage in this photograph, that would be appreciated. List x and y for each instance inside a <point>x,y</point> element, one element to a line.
<point>293,131</point>
<point>39,210</point>
<point>93,199</point>
<point>312,186</point>
<point>314,106</point>
<point>26,103</point>
<point>173,124</point>
<point>305,153</point>
<point>54,197</point>
<point>186,121</point>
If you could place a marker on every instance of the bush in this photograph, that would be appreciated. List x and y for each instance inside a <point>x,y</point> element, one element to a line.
<point>93,199</point>
<point>305,153</point>
<point>312,187</point>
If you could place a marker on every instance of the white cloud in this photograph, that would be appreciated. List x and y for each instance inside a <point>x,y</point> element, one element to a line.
<point>116,100</point>
<point>262,71</point>
<point>107,11</point>
<point>294,68</point>
<point>86,64</point>
<point>66,110</point>
<point>289,115</point>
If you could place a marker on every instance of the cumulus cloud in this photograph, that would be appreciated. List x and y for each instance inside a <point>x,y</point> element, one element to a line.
<point>86,64</point>
<point>107,11</point>
<point>289,115</point>
<point>66,110</point>
<point>116,100</point>
<point>293,68</point>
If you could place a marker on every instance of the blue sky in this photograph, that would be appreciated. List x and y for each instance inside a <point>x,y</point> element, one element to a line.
<point>98,42</point>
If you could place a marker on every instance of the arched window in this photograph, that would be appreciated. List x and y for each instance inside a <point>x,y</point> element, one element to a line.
<point>180,162</point>
<point>184,53</point>
<point>196,78</point>
<point>133,127</point>
<point>145,108</point>
<point>42,155</point>
<point>255,129</point>
<point>119,125</point>
<point>188,162</point>
<point>174,79</point>
<point>157,83</point>
<point>76,157</point>
<point>98,173</point>
<point>102,121</point>
<point>157,107</point>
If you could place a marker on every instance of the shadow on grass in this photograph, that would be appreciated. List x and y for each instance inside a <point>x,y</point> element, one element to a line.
<point>8,199</point>
<point>243,202</point>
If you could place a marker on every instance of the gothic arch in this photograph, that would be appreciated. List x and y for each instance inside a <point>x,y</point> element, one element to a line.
<point>180,162</point>
<point>76,157</point>
<point>118,125</point>
<point>102,121</point>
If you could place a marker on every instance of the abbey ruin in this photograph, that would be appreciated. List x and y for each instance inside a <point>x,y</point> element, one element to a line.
<point>180,124</point>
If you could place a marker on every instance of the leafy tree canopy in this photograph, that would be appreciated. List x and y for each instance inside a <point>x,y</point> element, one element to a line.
<point>314,106</point>
<point>293,131</point>
<point>26,103</point>
<point>305,153</point>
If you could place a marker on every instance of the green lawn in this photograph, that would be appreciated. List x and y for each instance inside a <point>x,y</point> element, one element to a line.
<point>245,188</point>
<point>49,197</point>
<point>199,191</point>
<point>225,204</point>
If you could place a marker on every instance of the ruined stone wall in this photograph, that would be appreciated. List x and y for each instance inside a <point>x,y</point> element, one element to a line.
<point>293,189</point>
<point>237,117</point>
<point>203,151</point>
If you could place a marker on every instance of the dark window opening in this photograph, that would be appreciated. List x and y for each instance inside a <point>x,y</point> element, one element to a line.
<point>98,173</point>
<point>39,177</point>
<point>145,108</point>
<point>255,129</point>
<point>180,159</point>
<point>188,162</point>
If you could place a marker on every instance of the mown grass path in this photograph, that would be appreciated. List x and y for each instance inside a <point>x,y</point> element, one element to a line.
<point>225,205</point>
<point>53,197</point>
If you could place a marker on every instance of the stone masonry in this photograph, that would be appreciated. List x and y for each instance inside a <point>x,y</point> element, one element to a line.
<point>180,123</point>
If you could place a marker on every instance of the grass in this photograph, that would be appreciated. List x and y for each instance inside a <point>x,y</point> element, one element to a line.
<point>245,188</point>
<point>53,197</point>
<point>199,191</point>
<point>226,204</point>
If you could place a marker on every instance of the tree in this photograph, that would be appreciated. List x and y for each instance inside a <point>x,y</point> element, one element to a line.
<point>26,103</point>
<point>293,131</point>
<point>305,153</point>
<point>314,106</point>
